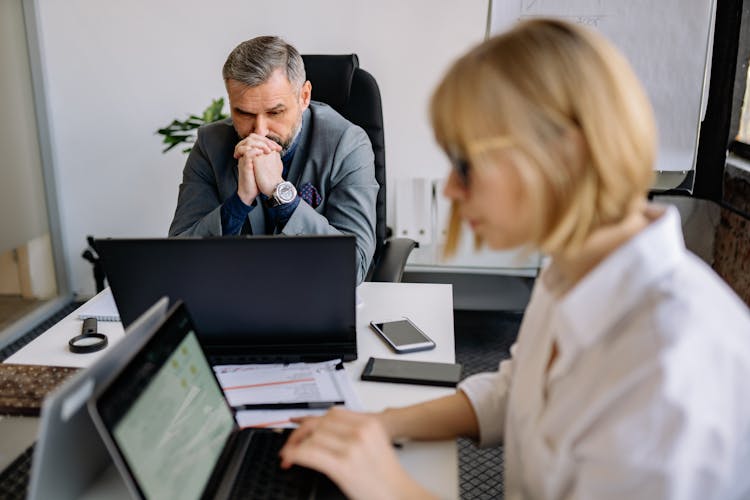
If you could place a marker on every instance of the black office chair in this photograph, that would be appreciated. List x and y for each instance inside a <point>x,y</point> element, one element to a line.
<point>338,81</point>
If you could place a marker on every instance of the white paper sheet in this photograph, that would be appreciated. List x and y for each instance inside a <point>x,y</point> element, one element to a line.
<point>279,419</point>
<point>669,44</point>
<point>284,383</point>
<point>101,306</point>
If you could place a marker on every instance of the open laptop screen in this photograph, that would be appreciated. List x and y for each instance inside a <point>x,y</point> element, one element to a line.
<point>167,414</point>
<point>69,455</point>
<point>287,298</point>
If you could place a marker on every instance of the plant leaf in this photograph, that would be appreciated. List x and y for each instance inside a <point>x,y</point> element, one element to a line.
<point>178,131</point>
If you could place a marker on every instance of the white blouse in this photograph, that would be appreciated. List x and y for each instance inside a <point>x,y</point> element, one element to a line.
<point>649,396</point>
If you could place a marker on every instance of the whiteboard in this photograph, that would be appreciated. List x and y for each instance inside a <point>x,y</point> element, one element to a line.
<point>668,43</point>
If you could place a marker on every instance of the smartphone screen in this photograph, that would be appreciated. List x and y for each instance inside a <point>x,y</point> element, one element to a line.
<point>403,335</point>
<point>412,372</point>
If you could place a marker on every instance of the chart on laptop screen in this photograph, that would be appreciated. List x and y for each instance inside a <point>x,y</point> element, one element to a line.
<point>174,432</point>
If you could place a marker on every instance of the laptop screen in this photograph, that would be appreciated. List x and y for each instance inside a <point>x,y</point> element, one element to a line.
<point>167,414</point>
<point>66,460</point>
<point>291,297</point>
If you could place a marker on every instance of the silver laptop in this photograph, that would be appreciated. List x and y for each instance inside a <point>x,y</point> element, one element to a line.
<point>172,434</point>
<point>69,453</point>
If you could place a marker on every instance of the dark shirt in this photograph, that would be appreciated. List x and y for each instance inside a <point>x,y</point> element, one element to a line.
<point>234,212</point>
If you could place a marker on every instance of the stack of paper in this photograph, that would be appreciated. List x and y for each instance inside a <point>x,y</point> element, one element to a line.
<point>269,395</point>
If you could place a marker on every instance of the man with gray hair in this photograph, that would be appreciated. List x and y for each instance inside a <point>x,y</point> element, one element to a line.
<point>282,164</point>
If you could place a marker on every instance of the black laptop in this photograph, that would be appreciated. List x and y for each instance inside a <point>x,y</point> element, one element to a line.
<point>253,299</point>
<point>172,434</point>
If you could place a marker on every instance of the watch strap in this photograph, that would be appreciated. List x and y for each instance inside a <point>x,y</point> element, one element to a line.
<point>273,201</point>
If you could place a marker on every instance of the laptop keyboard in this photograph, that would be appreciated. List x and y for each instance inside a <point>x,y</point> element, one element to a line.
<point>14,480</point>
<point>261,477</point>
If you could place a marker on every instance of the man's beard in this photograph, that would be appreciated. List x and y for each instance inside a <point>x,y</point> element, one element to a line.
<point>286,144</point>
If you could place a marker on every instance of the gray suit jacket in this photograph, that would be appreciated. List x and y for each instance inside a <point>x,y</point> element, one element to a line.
<point>333,155</point>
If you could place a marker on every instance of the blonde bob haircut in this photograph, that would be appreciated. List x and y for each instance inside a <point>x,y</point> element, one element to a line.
<point>561,105</point>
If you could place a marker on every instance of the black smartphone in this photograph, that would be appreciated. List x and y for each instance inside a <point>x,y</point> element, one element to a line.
<point>403,336</point>
<point>403,371</point>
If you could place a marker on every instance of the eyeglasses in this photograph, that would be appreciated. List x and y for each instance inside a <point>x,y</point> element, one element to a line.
<point>462,166</point>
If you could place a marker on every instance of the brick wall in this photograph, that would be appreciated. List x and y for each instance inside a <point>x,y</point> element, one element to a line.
<point>732,240</point>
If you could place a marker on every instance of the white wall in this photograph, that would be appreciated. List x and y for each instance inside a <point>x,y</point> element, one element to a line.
<point>117,71</point>
<point>23,213</point>
<point>36,269</point>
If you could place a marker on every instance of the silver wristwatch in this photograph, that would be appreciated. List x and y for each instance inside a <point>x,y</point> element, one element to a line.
<point>284,192</point>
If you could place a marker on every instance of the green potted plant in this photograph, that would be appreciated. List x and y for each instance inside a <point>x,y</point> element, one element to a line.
<point>179,132</point>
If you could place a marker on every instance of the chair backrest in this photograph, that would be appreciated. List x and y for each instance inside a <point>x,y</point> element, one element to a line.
<point>338,81</point>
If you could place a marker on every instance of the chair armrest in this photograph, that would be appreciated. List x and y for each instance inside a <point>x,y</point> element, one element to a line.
<point>395,252</point>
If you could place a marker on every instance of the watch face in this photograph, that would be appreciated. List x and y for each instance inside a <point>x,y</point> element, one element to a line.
<point>286,192</point>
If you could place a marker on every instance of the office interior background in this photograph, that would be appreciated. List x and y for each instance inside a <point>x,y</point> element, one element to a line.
<point>86,85</point>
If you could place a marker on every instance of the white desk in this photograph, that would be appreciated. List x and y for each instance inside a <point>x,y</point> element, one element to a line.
<point>430,306</point>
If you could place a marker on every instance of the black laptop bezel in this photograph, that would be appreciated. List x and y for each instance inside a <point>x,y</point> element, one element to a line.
<point>316,344</point>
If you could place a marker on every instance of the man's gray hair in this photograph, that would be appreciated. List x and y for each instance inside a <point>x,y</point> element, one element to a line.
<point>253,61</point>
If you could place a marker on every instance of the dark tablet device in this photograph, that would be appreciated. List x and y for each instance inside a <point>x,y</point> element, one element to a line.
<point>412,372</point>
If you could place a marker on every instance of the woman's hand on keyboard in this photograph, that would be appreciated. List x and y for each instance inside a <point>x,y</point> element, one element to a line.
<point>355,451</point>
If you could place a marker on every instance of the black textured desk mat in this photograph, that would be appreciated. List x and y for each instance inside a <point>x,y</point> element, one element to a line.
<point>14,480</point>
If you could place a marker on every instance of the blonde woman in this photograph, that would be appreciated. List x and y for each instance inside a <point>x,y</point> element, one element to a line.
<point>630,377</point>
